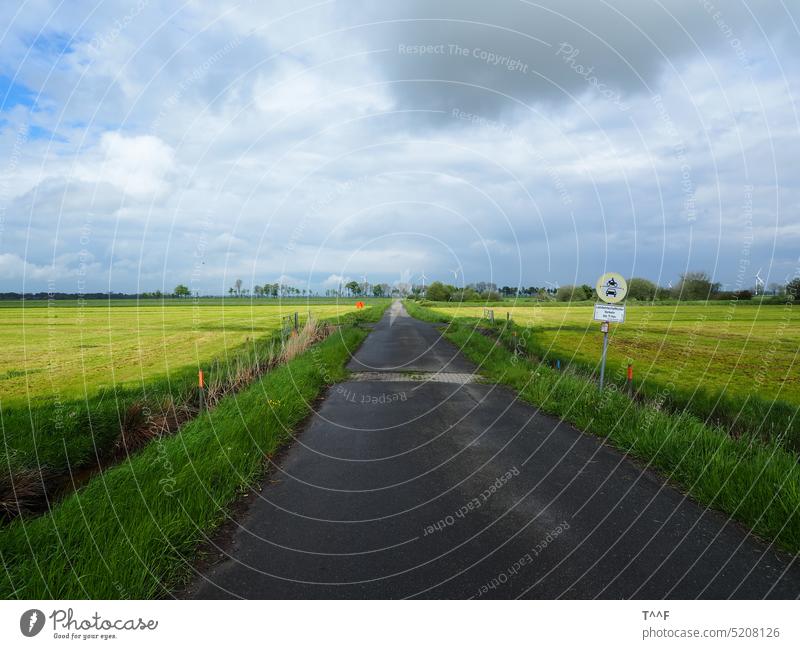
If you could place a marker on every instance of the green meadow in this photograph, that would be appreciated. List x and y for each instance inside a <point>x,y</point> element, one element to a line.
<point>736,350</point>
<point>82,385</point>
<point>64,350</point>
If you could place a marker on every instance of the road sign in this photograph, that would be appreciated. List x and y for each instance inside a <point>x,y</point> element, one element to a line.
<point>612,288</point>
<point>609,312</point>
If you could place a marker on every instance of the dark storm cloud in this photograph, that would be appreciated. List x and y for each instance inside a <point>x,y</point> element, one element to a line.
<point>490,56</point>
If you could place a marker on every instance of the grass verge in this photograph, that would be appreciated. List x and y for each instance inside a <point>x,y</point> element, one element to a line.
<point>131,532</point>
<point>754,481</point>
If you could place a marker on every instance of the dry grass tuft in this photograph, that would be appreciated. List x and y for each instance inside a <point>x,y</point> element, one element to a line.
<point>21,491</point>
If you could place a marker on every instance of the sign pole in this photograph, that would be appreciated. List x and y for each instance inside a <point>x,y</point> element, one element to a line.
<point>604,329</point>
<point>611,289</point>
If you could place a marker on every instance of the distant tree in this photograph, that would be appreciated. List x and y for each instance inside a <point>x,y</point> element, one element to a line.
<point>743,295</point>
<point>354,287</point>
<point>696,286</point>
<point>793,288</point>
<point>569,293</point>
<point>437,292</point>
<point>258,291</point>
<point>776,288</point>
<point>377,290</point>
<point>181,291</point>
<point>467,294</point>
<point>231,291</point>
<point>588,292</point>
<point>641,289</point>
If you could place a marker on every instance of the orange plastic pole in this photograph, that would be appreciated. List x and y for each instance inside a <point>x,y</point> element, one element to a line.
<point>201,385</point>
<point>630,380</point>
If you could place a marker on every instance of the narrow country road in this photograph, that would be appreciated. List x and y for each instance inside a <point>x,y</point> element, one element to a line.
<point>413,480</point>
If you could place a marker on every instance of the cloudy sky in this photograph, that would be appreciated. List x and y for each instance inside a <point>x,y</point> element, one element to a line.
<point>146,143</point>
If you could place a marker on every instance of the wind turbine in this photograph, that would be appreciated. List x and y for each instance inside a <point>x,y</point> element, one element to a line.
<point>759,281</point>
<point>424,279</point>
<point>366,284</point>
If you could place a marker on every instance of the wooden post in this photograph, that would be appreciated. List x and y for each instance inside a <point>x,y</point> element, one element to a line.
<point>296,322</point>
<point>201,384</point>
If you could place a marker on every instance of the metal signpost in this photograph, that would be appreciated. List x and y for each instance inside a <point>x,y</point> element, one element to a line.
<point>611,289</point>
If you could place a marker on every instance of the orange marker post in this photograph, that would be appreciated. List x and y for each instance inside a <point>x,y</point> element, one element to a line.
<point>201,384</point>
<point>630,380</point>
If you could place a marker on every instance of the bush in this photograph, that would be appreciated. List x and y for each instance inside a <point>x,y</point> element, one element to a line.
<point>571,293</point>
<point>642,289</point>
<point>696,286</point>
<point>437,292</point>
<point>793,288</point>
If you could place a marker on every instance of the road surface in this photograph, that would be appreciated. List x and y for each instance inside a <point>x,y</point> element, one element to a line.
<point>413,480</point>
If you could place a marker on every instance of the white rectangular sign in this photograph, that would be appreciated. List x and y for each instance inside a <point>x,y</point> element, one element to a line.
<point>609,312</point>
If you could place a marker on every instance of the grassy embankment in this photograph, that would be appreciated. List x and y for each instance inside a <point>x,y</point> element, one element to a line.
<point>754,480</point>
<point>734,365</point>
<point>132,531</point>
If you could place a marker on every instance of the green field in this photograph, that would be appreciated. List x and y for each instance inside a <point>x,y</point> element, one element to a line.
<point>736,350</point>
<point>133,532</point>
<point>62,350</point>
<point>82,386</point>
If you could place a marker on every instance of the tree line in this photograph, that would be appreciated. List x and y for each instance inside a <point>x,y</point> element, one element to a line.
<point>696,285</point>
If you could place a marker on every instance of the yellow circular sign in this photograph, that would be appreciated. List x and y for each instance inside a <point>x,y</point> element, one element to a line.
<point>612,288</point>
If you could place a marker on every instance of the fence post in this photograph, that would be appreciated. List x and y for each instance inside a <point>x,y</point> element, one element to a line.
<point>296,322</point>
<point>630,380</point>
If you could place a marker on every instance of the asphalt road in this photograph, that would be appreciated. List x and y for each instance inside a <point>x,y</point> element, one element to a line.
<point>438,489</point>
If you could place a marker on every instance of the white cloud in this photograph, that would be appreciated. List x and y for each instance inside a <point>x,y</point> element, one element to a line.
<point>280,137</point>
<point>335,281</point>
<point>140,165</point>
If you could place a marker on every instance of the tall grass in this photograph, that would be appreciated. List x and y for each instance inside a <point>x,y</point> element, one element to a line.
<point>132,531</point>
<point>754,481</point>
